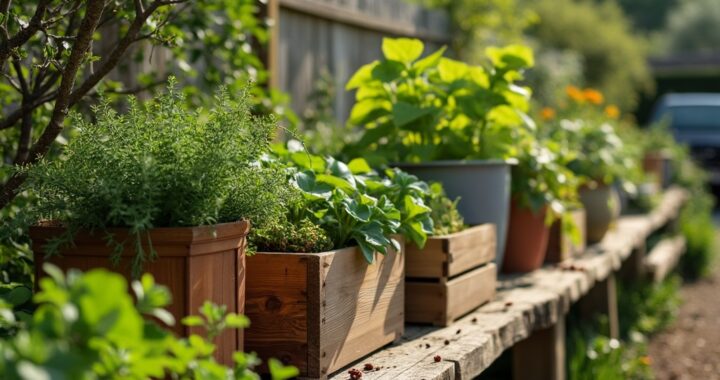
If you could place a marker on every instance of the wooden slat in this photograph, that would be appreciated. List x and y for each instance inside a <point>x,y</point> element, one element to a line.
<point>441,303</point>
<point>664,257</point>
<point>362,306</point>
<point>542,355</point>
<point>450,255</point>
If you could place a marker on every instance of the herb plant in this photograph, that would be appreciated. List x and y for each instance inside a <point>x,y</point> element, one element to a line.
<point>435,108</point>
<point>87,326</point>
<point>445,215</point>
<point>161,165</point>
<point>351,203</point>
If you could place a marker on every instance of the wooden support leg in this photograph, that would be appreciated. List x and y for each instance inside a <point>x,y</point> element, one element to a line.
<point>542,355</point>
<point>633,269</point>
<point>602,300</point>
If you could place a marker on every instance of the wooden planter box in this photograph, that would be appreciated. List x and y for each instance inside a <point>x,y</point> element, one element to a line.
<point>197,264</point>
<point>451,276</point>
<point>321,311</point>
<point>561,246</point>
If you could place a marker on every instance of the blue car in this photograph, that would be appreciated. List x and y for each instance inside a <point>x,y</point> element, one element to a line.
<point>694,119</point>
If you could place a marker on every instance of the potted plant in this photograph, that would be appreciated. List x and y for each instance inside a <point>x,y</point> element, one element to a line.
<point>601,159</point>
<point>658,144</point>
<point>160,189</point>
<point>542,187</point>
<point>445,121</point>
<point>326,285</point>
<point>453,274</point>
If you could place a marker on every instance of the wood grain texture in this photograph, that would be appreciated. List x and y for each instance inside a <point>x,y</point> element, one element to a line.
<point>197,264</point>
<point>321,311</point>
<point>444,302</point>
<point>450,255</point>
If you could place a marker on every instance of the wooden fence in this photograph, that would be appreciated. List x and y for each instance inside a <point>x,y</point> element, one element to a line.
<point>339,36</point>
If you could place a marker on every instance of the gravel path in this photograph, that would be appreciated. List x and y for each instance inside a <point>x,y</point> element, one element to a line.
<point>690,349</point>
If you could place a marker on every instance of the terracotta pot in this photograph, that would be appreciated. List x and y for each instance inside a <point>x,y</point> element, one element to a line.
<point>602,209</point>
<point>527,239</point>
<point>195,263</point>
<point>658,166</point>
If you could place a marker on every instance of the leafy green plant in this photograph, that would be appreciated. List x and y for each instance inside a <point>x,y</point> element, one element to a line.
<point>435,108</point>
<point>542,179</point>
<point>87,326</point>
<point>445,215</point>
<point>160,165</point>
<point>351,203</point>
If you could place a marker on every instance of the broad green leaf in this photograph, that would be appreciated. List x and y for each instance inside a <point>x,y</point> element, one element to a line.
<point>359,166</point>
<point>430,61</point>
<point>237,321</point>
<point>405,50</point>
<point>278,371</point>
<point>413,207</point>
<point>368,110</point>
<point>451,70</point>
<point>18,296</point>
<point>336,182</point>
<point>511,57</point>
<point>388,71</point>
<point>362,76</point>
<point>405,113</point>
<point>358,211</point>
<point>308,161</point>
<point>308,184</point>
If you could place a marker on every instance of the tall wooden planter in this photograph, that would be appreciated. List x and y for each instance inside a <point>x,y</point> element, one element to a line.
<point>560,245</point>
<point>322,311</point>
<point>197,264</point>
<point>451,276</point>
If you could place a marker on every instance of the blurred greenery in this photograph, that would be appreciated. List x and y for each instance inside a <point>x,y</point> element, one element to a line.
<point>693,27</point>
<point>613,59</point>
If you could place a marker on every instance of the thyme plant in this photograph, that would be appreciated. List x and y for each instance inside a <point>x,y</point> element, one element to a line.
<point>160,165</point>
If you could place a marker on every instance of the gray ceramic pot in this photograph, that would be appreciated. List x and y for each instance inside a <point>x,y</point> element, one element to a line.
<point>482,186</point>
<point>602,209</point>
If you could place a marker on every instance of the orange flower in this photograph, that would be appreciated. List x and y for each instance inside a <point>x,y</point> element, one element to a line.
<point>575,94</point>
<point>593,96</point>
<point>612,111</point>
<point>547,113</point>
<point>646,360</point>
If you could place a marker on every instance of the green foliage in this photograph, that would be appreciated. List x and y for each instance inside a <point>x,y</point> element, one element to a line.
<point>597,357</point>
<point>445,215</point>
<point>613,58</point>
<point>353,204</point>
<point>87,326</point>
<point>435,108</point>
<point>542,178</point>
<point>694,27</point>
<point>480,23</point>
<point>286,236</point>
<point>648,308</point>
<point>161,165</point>
<point>648,15</point>
<point>698,228</point>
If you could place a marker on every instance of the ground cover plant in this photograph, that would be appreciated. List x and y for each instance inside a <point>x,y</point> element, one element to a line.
<point>88,326</point>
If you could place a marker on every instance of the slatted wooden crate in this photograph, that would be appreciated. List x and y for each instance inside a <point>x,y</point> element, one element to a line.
<point>451,276</point>
<point>322,311</point>
<point>560,245</point>
<point>197,264</point>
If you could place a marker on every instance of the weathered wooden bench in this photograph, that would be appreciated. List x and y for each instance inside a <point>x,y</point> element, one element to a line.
<point>528,314</point>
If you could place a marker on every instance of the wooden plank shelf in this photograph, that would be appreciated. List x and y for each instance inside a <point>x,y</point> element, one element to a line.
<point>664,257</point>
<point>525,304</point>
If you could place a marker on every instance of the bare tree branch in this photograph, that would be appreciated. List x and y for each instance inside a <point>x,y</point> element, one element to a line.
<point>6,47</point>
<point>93,12</point>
